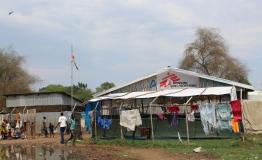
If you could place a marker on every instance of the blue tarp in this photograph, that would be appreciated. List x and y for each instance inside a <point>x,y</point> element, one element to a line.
<point>102,122</point>
<point>89,107</point>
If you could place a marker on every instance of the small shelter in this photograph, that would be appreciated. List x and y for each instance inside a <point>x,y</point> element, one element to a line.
<point>32,107</point>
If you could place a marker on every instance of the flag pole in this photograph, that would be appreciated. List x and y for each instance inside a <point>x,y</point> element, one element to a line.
<point>72,76</point>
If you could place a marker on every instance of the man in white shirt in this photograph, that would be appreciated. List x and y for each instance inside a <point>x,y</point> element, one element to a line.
<point>62,122</point>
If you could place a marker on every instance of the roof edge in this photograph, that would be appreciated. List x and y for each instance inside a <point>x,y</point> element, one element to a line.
<point>38,93</point>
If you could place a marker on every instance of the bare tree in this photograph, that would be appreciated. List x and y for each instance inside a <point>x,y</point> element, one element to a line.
<point>208,54</point>
<point>13,78</point>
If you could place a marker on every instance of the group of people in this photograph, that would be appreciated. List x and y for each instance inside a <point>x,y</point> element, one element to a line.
<point>63,123</point>
<point>10,129</point>
<point>15,129</point>
<point>50,127</point>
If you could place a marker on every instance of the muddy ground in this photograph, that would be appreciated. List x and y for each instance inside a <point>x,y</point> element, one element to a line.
<point>92,151</point>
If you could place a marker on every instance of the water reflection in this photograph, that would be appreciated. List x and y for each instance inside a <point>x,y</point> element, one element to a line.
<point>18,152</point>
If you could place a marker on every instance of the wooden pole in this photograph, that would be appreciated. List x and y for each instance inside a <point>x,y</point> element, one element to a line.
<point>241,94</point>
<point>74,108</point>
<point>95,121</point>
<point>72,77</point>
<point>121,128</point>
<point>151,118</point>
<point>187,130</point>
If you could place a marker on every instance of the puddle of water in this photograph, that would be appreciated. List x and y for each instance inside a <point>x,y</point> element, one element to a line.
<point>18,152</point>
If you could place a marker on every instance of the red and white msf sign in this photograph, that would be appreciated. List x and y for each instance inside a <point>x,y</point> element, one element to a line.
<point>169,80</point>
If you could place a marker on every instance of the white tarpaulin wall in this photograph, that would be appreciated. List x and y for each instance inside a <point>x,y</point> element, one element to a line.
<point>109,96</point>
<point>189,92</point>
<point>186,92</point>
<point>134,95</point>
<point>160,93</point>
<point>221,91</point>
<point>251,115</point>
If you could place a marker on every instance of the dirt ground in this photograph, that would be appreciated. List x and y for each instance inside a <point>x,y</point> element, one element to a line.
<point>105,152</point>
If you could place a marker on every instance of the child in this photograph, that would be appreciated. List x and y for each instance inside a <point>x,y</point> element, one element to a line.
<point>51,129</point>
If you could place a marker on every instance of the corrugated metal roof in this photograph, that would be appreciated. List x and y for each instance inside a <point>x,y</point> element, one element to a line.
<point>232,83</point>
<point>226,81</point>
<point>40,93</point>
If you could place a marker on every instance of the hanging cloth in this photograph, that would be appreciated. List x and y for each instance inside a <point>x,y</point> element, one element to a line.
<point>130,119</point>
<point>88,117</point>
<point>174,121</point>
<point>173,109</point>
<point>235,126</point>
<point>191,116</point>
<point>208,117</point>
<point>163,109</point>
<point>104,122</point>
<point>194,107</point>
<point>161,116</point>
<point>236,109</point>
<point>223,114</point>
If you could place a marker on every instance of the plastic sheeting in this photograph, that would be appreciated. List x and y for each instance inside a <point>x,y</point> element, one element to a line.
<point>109,96</point>
<point>87,118</point>
<point>187,92</point>
<point>134,95</point>
<point>160,93</point>
<point>89,107</point>
<point>221,91</point>
<point>252,113</point>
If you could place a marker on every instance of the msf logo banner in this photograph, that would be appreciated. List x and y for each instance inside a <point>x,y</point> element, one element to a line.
<point>177,80</point>
<point>169,80</point>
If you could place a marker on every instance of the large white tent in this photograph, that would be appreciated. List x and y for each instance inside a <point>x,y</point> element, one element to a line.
<point>179,92</point>
<point>182,92</point>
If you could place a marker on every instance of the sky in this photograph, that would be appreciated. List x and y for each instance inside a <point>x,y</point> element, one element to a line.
<point>121,40</point>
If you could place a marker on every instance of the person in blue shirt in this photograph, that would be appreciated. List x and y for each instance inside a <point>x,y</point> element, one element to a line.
<point>73,131</point>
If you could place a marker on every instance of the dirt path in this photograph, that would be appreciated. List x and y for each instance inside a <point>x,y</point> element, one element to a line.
<point>106,152</point>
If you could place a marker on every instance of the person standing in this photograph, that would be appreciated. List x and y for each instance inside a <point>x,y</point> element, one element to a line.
<point>62,122</point>
<point>44,129</point>
<point>32,130</point>
<point>72,130</point>
<point>51,129</point>
<point>91,115</point>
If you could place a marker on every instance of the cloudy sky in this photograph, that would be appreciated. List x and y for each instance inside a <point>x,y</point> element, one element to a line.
<point>121,40</point>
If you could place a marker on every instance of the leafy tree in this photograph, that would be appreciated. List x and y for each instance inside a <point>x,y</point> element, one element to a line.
<point>13,77</point>
<point>53,88</point>
<point>80,90</point>
<point>208,54</point>
<point>105,86</point>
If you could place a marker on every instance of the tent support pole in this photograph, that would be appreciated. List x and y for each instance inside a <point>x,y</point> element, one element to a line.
<point>187,130</point>
<point>241,94</point>
<point>73,108</point>
<point>121,128</point>
<point>151,118</point>
<point>95,121</point>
